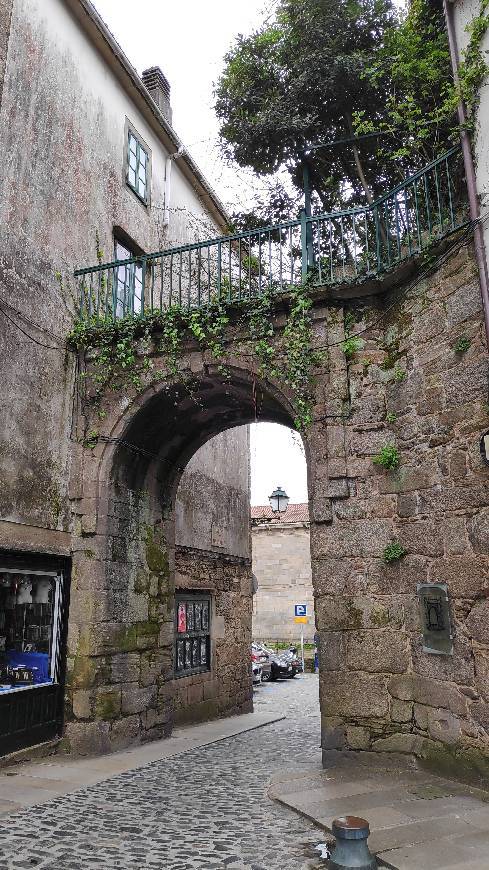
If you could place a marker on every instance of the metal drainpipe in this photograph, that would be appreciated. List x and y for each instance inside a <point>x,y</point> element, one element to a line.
<point>480,250</point>
<point>168,169</point>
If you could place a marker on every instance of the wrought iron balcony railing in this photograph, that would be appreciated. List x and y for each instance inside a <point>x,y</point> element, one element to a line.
<point>327,249</point>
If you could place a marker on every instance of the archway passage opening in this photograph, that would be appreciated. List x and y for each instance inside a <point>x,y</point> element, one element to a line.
<point>181,469</point>
<point>175,420</point>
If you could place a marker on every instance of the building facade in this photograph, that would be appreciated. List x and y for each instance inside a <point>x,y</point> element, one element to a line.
<point>91,560</point>
<point>281,559</point>
<point>94,170</point>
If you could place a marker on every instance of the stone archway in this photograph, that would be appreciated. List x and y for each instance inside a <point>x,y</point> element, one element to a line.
<point>122,615</point>
<point>406,385</point>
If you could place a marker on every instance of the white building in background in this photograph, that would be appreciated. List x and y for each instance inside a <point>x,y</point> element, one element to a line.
<point>281,561</point>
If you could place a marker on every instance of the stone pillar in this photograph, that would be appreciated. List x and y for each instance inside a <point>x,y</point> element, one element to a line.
<point>121,620</point>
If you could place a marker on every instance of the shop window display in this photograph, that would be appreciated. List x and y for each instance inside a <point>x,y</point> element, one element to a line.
<point>29,605</point>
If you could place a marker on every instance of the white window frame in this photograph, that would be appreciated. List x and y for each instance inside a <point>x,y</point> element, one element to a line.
<point>129,169</point>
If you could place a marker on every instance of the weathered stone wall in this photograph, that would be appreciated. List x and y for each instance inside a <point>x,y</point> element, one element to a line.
<point>120,639</point>
<point>5,18</point>
<point>378,689</point>
<point>226,689</point>
<point>212,510</point>
<point>62,123</point>
<point>406,386</point>
<point>121,686</point>
<point>62,128</point>
<point>212,537</point>
<point>281,559</point>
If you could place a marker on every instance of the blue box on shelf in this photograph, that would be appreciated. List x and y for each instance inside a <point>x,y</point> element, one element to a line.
<point>37,662</point>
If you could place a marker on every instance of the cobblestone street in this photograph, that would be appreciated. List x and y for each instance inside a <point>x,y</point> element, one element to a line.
<point>206,809</point>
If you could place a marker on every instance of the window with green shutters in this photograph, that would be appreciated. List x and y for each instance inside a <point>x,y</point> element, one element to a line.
<point>137,167</point>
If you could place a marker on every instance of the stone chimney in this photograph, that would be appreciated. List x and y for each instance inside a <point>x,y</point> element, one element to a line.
<point>159,89</point>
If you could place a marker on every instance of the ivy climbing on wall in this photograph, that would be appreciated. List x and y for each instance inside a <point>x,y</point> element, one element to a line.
<point>119,353</point>
<point>473,68</point>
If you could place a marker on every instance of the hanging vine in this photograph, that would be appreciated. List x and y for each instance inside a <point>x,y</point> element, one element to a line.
<point>473,68</point>
<point>119,353</point>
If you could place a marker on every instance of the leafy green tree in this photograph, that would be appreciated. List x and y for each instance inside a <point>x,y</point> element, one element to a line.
<point>416,100</point>
<point>327,70</point>
<point>297,80</point>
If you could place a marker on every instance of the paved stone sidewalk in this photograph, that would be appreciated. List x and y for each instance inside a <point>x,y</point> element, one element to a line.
<point>417,821</point>
<point>28,783</point>
<point>205,809</point>
<point>209,808</point>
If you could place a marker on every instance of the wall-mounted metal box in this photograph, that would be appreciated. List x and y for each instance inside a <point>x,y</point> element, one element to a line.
<point>435,618</point>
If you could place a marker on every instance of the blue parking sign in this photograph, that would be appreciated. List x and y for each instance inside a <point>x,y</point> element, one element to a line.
<point>301,609</point>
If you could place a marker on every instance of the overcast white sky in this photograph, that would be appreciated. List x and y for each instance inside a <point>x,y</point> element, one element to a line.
<point>188,41</point>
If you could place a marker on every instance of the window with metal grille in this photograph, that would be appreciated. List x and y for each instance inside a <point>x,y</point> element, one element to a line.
<point>192,633</point>
<point>128,287</point>
<point>137,173</point>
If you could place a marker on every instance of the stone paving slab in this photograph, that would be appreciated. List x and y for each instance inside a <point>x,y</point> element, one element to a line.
<point>418,821</point>
<point>450,853</point>
<point>207,807</point>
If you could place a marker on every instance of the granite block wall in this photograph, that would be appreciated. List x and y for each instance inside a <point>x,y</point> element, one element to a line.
<point>407,386</point>
<point>225,689</point>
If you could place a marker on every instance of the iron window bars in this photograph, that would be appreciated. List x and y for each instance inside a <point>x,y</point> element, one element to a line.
<point>192,633</point>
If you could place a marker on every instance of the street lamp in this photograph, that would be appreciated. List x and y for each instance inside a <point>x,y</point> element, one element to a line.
<point>278,500</point>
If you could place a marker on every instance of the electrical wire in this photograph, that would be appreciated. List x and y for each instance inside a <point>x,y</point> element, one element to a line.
<point>30,337</point>
<point>29,321</point>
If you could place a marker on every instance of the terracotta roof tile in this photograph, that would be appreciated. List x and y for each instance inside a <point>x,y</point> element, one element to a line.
<point>295,513</point>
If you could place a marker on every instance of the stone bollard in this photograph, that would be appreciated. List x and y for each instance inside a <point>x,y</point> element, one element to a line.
<point>351,851</point>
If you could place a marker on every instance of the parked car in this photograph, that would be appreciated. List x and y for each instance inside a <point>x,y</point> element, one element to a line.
<point>291,655</point>
<point>283,665</point>
<point>262,658</point>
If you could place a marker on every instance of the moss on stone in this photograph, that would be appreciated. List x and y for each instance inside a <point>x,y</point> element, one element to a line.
<point>108,704</point>
<point>379,617</point>
<point>84,673</point>
<point>55,502</point>
<point>64,746</point>
<point>129,638</point>
<point>156,554</point>
<point>142,583</point>
<point>464,763</point>
<point>156,609</point>
<point>355,615</point>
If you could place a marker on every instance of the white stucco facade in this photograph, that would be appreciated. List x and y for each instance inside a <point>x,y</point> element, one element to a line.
<point>464,12</point>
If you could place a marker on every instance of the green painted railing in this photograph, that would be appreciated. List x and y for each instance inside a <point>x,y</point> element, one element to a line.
<point>327,249</point>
